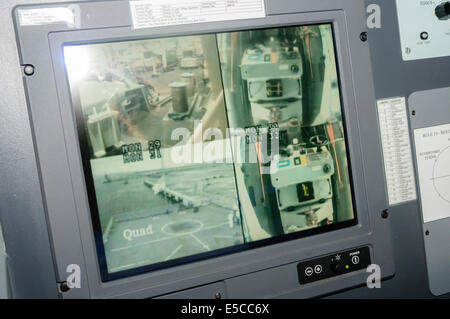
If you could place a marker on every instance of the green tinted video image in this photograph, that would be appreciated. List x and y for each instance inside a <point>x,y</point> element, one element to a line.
<point>202,143</point>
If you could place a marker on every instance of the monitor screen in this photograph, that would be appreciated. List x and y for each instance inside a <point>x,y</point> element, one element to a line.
<point>199,146</point>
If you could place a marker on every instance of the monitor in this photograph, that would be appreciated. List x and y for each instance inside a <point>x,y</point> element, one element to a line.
<point>238,158</point>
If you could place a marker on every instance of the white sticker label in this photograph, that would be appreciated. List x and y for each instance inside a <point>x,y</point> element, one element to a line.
<point>397,154</point>
<point>433,164</point>
<point>46,16</point>
<point>158,13</point>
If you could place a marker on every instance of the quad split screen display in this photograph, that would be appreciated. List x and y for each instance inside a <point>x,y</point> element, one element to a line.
<point>199,146</point>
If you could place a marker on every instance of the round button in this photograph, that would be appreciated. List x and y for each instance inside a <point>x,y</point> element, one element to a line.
<point>318,269</point>
<point>309,271</point>
<point>355,260</point>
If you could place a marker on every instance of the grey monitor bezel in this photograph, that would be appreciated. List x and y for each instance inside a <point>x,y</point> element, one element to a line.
<point>62,176</point>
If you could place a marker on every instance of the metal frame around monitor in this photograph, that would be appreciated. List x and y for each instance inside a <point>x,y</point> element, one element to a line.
<point>268,271</point>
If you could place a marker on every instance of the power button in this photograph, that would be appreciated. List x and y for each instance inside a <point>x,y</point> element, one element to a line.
<point>336,264</point>
<point>424,35</point>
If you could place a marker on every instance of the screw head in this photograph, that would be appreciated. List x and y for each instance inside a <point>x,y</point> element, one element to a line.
<point>363,36</point>
<point>28,69</point>
<point>218,295</point>
<point>64,287</point>
<point>326,168</point>
<point>427,233</point>
<point>385,214</point>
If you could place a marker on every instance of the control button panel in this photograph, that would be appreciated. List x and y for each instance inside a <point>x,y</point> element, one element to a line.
<point>333,265</point>
<point>424,28</point>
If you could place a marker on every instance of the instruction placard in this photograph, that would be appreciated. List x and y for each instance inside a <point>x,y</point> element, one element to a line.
<point>397,155</point>
<point>433,164</point>
<point>158,13</point>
